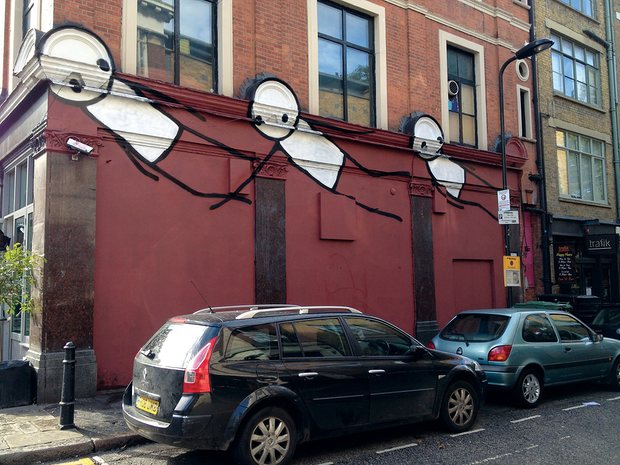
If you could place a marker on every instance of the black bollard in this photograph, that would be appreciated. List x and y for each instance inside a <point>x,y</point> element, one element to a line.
<point>67,396</point>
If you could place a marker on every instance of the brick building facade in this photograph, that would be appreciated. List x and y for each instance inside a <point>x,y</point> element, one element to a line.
<point>189,199</point>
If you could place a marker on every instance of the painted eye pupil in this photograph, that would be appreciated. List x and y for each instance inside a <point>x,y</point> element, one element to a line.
<point>103,64</point>
<point>284,118</point>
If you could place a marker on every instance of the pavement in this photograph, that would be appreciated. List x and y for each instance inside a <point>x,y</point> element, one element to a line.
<point>31,435</point>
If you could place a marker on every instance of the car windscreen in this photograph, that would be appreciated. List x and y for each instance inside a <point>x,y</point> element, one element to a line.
<point>175,344</point>
<point>475,327</point>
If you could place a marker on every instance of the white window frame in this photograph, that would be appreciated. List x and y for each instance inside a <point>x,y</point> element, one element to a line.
<point>446,39</point>
<point>224,43</point>
<point>582,155</point>
<point>525,132</point>
<point>377,14</point>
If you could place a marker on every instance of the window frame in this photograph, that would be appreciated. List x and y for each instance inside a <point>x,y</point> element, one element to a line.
<point>581,9</point>
<point>524,112</point>
<point>10,214</point>
<point>558,53</point>
<point>447,39</point>
<point>462,82</point>
<point>224,43</point>
<point>566,177</point>
<point>377,14</point>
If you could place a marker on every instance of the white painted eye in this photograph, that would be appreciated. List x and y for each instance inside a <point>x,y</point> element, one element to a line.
<point>427,137</point>
<point>274,109</point>
<point>76,60</point>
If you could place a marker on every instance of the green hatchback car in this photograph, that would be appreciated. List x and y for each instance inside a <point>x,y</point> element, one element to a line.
<point>526,349</point>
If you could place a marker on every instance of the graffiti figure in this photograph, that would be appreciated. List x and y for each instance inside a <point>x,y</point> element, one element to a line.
<point>142,129</point>
<point>274,111</point>
<point>448,175</point>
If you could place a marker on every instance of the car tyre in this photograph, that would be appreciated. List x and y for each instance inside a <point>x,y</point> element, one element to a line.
<point>459,407</point>
<point>614,376</point>
<point>528,390</point>
<point>268,437</point>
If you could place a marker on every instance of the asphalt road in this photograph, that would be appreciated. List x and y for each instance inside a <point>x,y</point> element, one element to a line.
<point>577,425</point>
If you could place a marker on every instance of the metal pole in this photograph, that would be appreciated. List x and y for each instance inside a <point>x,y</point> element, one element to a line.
<point>67,396</point>
<point>502,136</point>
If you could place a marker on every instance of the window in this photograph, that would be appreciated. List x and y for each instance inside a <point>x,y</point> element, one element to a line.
<point>374,338</point>
<point>537,328</point>
<point>587,7</point>
<point>177,42</point>
<point>570,330</point>
<point>475,327</point>
<point>576,71</point>
<point>462,96</point>
<point>346,64</point>
<point>581,167</point>
<point>314,338</point>
<point>17,224</point>
<point>253,343</point>
<point>525,113</point>
<point>27,17</point>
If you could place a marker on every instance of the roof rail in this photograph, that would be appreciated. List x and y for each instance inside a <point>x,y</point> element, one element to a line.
<point>301,310</point>
<point>244,307</point>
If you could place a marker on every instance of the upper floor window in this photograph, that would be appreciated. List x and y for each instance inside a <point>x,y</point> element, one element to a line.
<point>346,64</point>
<point>177,42</point>
<point>28,17</point>
<point>576,71</point>
<point>587,7</point>
<point>462,96</point>
<point>581,166</point>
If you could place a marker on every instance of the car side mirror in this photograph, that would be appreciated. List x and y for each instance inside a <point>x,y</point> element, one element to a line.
<point>416,351</point>
<point>597,337</point>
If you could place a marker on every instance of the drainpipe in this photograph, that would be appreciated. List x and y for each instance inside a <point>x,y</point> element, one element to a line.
<point>610,48</point>
<point>540,165</point>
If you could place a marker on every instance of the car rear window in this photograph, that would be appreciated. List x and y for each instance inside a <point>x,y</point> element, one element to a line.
<point>608,316</point>
<point>175,344</point>
<point>475,327</point>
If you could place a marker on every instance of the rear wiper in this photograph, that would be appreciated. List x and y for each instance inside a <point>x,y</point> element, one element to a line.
<point>148,353</point>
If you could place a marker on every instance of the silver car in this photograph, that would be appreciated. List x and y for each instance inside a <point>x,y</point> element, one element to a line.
<point>526,349</point>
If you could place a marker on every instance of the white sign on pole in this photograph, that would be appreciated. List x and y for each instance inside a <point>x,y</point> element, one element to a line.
<point>508,217</point>
<point>503,200</point>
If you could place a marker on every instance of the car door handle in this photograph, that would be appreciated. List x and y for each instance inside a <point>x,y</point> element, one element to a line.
<point>567,349</point>
<point>376,372</point>
<point>308,374</point>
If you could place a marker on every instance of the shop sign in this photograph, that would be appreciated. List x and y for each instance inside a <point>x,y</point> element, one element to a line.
<point>601,244</point>
<point>565,264</point>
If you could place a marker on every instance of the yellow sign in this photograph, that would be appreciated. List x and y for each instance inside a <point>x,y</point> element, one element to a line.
<point>512,271</point>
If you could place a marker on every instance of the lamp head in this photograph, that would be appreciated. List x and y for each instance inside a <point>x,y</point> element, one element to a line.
<point>533,47</point>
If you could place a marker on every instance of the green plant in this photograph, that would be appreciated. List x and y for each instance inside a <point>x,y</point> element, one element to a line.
<point>17,266</point>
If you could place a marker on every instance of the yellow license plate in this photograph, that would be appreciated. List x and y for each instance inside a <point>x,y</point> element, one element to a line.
<point>148,405</point>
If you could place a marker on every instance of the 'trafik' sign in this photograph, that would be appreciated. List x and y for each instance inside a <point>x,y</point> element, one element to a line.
<point>604,243</point>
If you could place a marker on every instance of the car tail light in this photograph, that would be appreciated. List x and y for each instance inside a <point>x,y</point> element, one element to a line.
<point>430,345</point>
<point>499,353</point>
<point>196,379</point>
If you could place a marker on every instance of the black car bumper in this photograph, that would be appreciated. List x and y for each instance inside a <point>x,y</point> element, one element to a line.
<point>183,430</point>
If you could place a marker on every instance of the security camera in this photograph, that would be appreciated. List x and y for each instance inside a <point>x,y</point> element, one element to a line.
<point>79,146</point>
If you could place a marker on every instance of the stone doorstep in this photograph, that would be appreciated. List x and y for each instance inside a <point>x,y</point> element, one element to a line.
<point>44,437</point>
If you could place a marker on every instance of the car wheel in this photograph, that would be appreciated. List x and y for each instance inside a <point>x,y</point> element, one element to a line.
<point>459,407</point>
<point>614,376</point>
<point>269,437</point>
<point>528,390</point>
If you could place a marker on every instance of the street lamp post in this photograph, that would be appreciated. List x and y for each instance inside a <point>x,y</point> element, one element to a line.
<point>528,50</point>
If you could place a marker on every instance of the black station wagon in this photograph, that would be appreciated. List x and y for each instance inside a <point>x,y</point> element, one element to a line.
<point>257,380</point>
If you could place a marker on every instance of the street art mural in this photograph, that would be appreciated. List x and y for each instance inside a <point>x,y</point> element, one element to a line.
<point>81,71</point>
<point>274,111</point>
<point>448,175</point>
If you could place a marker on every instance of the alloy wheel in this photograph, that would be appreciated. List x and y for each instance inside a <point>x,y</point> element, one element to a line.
<point>461,406</point>
<point>530,388</point>
<point>270,441</point>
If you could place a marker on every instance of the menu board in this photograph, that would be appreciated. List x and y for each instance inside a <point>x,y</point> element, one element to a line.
<point>564,264</point>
